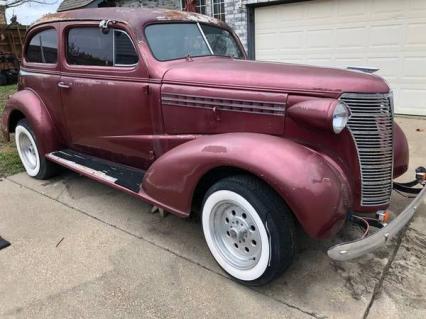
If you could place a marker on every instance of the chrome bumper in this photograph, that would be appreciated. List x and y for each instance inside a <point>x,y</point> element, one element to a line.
<point>354,249</point>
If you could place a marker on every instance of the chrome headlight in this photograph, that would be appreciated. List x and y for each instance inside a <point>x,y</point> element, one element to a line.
<point>341,115</point>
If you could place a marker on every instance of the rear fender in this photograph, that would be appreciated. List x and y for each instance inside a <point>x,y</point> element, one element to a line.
<point>30,105</point>
<point>312,185</point>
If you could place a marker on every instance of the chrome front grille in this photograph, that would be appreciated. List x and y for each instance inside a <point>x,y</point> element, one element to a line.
<point>371,125</point>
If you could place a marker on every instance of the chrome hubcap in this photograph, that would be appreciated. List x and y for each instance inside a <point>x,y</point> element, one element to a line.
<point>28,151</point>
<point>236,235</point>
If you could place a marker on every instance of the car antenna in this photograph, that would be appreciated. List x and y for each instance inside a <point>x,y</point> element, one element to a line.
<point>189,58</point>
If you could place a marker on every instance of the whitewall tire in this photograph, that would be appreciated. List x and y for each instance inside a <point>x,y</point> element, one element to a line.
<point>248,229</point>
<point>235,234</point>
<point>27,150</point>
<point>35,163</point>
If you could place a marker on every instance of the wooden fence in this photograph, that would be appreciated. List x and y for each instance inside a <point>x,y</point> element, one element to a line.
<point>12,39</point>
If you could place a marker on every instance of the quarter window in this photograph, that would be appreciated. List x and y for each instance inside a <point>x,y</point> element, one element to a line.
<point>124,51</point>
<point>221,42</point>
<point>92,46</point>
<point>43,47</point>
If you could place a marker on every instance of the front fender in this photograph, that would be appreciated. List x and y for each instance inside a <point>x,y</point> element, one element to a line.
<point>311,185</point>
<point>401,155</point>
<point>36,113</point>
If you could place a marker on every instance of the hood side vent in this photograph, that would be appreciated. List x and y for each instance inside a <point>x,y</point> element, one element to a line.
<point>248,106</point>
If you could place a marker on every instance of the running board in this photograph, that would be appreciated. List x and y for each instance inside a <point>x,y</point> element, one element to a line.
<point>104,171</point>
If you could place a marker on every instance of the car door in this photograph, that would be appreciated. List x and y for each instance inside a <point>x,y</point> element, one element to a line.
<point>40,69</point>
<point>104,94</point>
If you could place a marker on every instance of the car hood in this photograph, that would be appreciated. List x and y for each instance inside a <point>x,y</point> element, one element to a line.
<point>283,77</point>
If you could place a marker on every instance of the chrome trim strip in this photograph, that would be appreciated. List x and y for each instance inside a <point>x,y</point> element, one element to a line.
<point>205,39</point>
<point>23,73</point>
<point>80,168</point>
<point>260,107</point>
<point>26,72</point>
<point>357,248</point>
<point>114,49</point>
<point>166,100</point>
<point>223,99</point>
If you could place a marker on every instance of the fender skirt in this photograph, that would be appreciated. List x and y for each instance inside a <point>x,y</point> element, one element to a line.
<point>311,185</point>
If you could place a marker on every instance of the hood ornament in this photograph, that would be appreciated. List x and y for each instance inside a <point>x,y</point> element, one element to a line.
<point>365,69</point>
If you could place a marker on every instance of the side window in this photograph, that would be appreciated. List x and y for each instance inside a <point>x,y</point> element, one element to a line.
<point>91,46</point>
<point>43,47</point>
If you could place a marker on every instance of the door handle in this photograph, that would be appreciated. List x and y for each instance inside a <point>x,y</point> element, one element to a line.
<point>63,85</point>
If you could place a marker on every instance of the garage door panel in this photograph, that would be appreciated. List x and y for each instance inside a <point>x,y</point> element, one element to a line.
<point>344,62</point>
<point>390,6</point>
<point>320,38</point>
<point>417,5</point>
<point>386,35</point>
<point>267,42</point>
<point>417,101</point>
<point>289,40</point>
<point>416,33</point>
<point>350,37</point>
<point>414,68</point>
<point>390,68</point>
<point>319,10</point>
<point>319,62</point>
<point>389,35</point>
<point>351,9</point>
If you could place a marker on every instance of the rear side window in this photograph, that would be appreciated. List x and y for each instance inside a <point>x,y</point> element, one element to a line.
<point>91,46</point>
<point>43,47</point>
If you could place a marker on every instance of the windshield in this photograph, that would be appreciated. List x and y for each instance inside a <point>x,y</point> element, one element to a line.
<point>170,41</point>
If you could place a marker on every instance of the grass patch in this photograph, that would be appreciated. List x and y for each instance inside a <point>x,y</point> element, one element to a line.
<point>9,159</point>
<point>10,163</point>
<point>5,91</point>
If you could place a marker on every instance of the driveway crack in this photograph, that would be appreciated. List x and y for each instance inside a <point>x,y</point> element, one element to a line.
<point>379,285</point>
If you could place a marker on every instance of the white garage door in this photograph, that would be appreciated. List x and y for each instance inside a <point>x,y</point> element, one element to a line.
<point>387,34</point>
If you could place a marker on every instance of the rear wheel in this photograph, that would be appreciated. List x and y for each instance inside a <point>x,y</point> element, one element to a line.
<point>35,164</point>
<point>249,230</point>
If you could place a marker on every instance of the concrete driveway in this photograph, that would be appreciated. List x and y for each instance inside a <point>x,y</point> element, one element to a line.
<point>80,249</point>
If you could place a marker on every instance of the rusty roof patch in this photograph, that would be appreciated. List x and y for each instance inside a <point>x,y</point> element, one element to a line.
<point>133,16</point>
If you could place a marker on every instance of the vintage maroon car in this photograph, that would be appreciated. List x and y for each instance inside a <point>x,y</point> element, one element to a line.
<point>165,106</point>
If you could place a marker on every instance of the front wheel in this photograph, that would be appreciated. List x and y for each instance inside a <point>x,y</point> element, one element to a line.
<point>248,228</point>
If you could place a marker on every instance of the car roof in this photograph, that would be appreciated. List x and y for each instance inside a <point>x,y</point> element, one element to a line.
<point>132,16</point>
